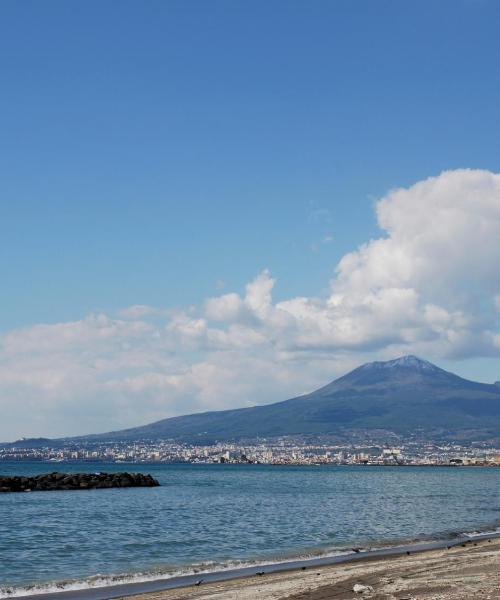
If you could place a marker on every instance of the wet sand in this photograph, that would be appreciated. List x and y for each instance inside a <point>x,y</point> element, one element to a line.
<point>459,573</point>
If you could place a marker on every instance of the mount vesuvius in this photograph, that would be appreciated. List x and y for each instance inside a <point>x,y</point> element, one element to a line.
<point>401,395</point>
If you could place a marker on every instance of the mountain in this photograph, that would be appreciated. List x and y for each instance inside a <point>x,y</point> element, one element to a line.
<point>399,395</point>
<point>32,443</point>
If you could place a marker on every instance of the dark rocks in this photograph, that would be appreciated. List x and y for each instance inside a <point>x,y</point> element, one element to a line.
<point>74,481</point>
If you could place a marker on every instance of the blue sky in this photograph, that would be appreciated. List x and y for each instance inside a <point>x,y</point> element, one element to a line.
<point>160,153</point>
<point>151,149</point>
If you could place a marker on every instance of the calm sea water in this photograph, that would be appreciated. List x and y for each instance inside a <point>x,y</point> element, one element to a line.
<point>216,516</point>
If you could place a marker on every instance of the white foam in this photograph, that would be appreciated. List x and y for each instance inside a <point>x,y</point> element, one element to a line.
<point>483,533</point>
<point>100,581</point>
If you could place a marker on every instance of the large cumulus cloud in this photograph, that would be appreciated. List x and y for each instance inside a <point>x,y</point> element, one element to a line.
<point>430,284</point>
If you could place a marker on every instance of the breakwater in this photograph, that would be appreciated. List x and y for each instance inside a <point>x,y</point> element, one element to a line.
<point>74,481</point>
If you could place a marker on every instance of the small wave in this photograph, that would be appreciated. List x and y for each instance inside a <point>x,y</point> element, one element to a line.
<point>482,533</point>
<point>210,567</point>
<point>100,581</point>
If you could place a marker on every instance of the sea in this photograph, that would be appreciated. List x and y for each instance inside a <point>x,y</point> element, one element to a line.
<point>211,518</point>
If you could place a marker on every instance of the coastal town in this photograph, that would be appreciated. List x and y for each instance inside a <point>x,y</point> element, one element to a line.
<point>280,451</point>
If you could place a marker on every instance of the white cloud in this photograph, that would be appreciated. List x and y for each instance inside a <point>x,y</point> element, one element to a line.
<point>258,294</point>
<point>94,329</point>
<point>429,285</point>
<point>442,235</point>
<point>224,308</point>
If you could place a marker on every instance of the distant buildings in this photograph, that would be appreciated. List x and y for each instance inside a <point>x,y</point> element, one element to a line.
<point>277,451</point>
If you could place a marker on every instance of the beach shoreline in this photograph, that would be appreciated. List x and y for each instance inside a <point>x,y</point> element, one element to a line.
<point>240,580</point>
<point>459,572</point>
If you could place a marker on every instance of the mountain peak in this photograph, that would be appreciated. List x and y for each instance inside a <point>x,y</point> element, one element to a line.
<point>406,362</point>
<point>400,395</point>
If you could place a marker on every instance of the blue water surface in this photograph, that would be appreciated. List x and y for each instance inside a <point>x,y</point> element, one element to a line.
<point>214,515</point>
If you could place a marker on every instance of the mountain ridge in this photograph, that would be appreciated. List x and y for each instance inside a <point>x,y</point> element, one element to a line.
<point>399,395</point>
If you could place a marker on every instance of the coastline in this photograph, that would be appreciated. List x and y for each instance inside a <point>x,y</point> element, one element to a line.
<point>451,573</point>
<point>290,575</point>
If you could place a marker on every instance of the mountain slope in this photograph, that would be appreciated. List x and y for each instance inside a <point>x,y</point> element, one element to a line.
<point>398,395</point>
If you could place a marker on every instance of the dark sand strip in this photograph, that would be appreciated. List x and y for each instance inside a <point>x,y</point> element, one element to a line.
<point>458,573</point>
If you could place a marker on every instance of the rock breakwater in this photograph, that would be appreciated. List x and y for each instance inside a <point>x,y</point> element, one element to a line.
<point>74,481</point>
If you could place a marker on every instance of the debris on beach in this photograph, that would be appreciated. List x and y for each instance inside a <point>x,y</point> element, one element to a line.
<point>359,588</point>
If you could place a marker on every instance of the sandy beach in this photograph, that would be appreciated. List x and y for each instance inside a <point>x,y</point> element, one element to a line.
<point>457,573</point>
